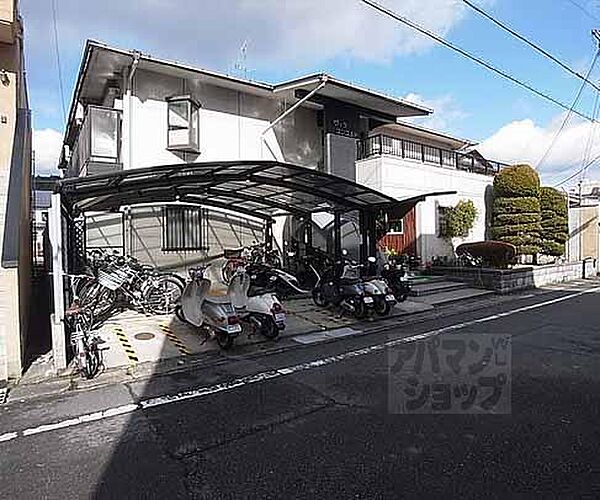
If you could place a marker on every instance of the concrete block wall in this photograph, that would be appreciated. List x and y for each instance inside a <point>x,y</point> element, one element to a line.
<point>522,278</point>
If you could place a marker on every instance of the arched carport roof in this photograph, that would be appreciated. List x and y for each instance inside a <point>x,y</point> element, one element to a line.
<point>262,189</point>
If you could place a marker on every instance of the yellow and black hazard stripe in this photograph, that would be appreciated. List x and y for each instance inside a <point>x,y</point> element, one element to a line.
<point>127,347</point>
<point>175,339</point>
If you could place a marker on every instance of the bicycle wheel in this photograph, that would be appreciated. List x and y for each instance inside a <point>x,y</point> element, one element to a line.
<point>93,360</point>
<point>162,294</point>
<point>98,300</point>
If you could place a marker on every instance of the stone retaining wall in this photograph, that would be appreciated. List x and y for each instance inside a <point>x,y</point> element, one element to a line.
<point>522,278</point>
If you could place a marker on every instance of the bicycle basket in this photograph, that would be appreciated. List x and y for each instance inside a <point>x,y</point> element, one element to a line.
<point>113,277</point>
<point>232,253</point>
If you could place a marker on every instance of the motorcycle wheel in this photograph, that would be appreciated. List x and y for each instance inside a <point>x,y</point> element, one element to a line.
<point>179,314</point>
<point>318,298</point>
<point>382,307</point>
<point>268,328</point>
<point>224,340</point>
<point>360,309</point>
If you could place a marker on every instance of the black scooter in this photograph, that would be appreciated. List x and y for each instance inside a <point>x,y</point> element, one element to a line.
<point>397,279</point>
<point>340,286</point>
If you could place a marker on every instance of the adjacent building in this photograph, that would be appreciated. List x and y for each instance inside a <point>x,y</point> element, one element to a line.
<point>15,194</point>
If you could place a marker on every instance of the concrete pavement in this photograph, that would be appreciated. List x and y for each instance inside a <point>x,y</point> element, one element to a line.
<point>326,428</point>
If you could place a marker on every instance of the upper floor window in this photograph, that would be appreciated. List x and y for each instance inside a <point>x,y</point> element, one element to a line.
<point>183,120</point>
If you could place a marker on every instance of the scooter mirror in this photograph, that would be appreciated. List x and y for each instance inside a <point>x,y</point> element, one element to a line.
<point>372,259</point>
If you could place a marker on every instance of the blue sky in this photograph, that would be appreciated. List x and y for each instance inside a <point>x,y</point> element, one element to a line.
<point>343,37</point>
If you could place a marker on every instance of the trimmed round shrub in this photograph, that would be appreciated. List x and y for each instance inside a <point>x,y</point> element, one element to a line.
<point>516,210</point>
<point>555,226</point>
<point>516,182</point>
<point>492,253</point>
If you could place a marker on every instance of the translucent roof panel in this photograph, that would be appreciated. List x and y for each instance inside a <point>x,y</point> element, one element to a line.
<point>264,188</point>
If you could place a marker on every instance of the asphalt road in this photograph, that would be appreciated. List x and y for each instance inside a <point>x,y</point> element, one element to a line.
<point>346,427</point>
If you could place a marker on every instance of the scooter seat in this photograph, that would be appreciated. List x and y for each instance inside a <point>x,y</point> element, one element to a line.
<point>218,299</point>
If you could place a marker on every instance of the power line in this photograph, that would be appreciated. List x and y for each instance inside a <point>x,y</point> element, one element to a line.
<point>591,137</point>
<point>584,10</point>
<point>568,115</point>
<point>58,63</point>
<point>470,56</point>
<point>533,45</point>
<point>585,167</point>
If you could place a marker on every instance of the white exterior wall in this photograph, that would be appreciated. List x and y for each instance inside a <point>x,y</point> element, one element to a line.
<point>402,178</point>
<point>231,125</point>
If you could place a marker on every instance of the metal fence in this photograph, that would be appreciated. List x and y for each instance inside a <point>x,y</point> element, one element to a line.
<point>380,144</point>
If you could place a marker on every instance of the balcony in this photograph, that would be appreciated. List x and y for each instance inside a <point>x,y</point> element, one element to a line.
<point>98,146</point>
<point>7,21</point>
<point>378,145</point>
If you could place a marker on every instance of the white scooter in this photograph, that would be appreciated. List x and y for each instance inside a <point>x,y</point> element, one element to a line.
<point>215,313</point>
<point>257,307</point>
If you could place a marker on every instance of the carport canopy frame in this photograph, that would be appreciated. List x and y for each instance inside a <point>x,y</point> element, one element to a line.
<point>261,189</point>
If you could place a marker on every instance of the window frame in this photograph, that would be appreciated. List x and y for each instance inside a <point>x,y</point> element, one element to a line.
<point>184,216</point>
<point>193,118</point>
<point>395,221</point>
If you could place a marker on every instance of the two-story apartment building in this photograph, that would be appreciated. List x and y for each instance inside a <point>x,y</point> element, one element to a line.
<point>131,110</point>
<point>15,194</point>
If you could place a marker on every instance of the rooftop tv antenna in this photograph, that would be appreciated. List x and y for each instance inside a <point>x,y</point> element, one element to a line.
<point>240,65</point>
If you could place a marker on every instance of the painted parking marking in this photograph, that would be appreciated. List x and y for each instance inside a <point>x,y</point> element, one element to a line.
<point>183,349</point>
<point>127,347</point>
<point>269,375</point>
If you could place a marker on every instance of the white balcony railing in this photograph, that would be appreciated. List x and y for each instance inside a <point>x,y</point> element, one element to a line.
<point>386,145</point>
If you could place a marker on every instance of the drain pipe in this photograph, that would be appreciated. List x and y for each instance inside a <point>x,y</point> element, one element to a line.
<point>132,70</point>
<point>286,113</point>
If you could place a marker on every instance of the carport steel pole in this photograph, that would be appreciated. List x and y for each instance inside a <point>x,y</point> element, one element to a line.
<point>59,347</point>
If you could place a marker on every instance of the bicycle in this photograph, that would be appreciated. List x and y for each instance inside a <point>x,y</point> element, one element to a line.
<point>84,346</point>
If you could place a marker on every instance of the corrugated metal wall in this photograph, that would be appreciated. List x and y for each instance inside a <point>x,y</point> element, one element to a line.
<point>405,243</point>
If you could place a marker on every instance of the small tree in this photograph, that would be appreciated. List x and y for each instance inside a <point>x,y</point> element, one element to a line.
<point>516,214</point>
<point>459,219</point>
<point>555,225</point>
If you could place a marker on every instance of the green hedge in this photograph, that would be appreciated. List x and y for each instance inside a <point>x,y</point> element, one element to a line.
<point>517,181</point>
<point>553,248</point>
<point>527,218</point>
<point>555,228</point>
<point>516,229</point>
<point>502,206</point>
<point>521,241</point>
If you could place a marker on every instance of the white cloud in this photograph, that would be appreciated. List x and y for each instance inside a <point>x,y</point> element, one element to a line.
<point>446,112</point>
<point>295,32</point>
<point>526,142</point>
<point>47,144</point>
